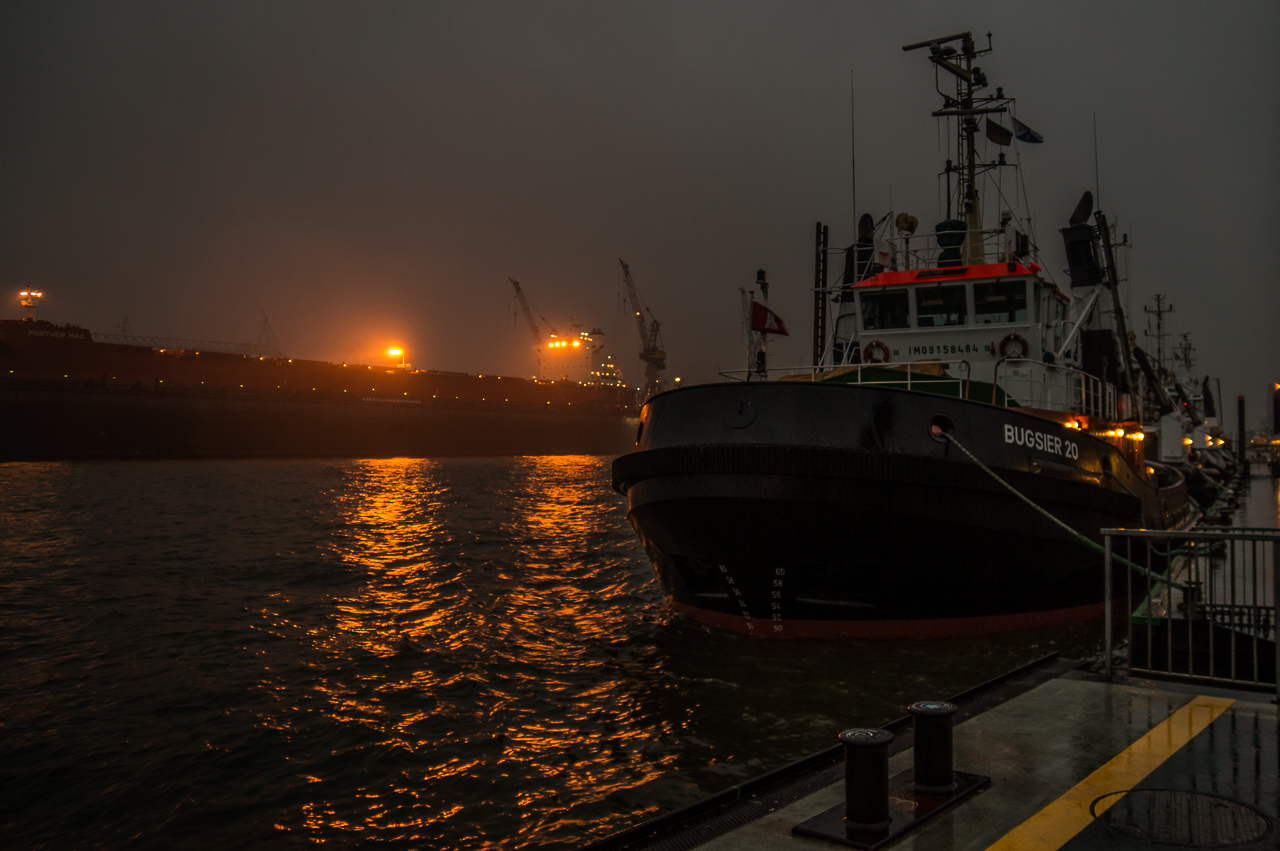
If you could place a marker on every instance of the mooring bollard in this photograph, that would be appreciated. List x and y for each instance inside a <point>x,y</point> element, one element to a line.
<point>866,777</point>
<point>933,753</point>
<point>869,817</point>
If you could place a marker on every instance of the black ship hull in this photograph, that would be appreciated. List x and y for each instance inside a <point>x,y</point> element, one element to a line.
<point>45,421</point>
<point>64,395</point>
<point>796,510</point>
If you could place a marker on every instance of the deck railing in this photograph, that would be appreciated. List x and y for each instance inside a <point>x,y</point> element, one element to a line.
<point>922,250</point>
<point>1024,382</point>
<point>1206,606</point>
<point>190,345</point>
<point>1031,383</point>
<point>902,375</point>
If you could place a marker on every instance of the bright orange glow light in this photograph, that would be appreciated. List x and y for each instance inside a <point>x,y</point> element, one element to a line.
<point>395,353</point>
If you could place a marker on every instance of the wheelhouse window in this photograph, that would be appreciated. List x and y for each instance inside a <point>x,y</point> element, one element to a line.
<point>1000,301</point>
<point>881,310</point>
<point>939,306</point>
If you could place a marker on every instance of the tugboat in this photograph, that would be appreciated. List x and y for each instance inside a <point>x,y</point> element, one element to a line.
<point>1180,416</point>
<point>946,465</point>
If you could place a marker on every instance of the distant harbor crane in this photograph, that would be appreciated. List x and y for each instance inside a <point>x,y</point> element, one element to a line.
<point>528,313</point>
<point>549,348</point>
<point>652,354</point>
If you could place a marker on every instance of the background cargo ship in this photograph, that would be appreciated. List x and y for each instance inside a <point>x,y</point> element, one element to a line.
<point>65,394</point>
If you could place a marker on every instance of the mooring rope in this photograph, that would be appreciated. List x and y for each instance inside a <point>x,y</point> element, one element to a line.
<point>1095,547</point>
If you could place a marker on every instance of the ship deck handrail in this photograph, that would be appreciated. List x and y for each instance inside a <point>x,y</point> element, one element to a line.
<point>188,344</point>
<point>1223,532</point>
<point>921,375</point>
<point>993,245</point>
<point>1050,387</point>
<point>1081,393</point>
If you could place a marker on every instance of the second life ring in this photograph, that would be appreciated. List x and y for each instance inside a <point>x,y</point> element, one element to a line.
<point>875,352</point>
<point>1012,342</point>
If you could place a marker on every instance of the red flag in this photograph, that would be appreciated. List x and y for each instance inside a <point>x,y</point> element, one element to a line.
<point>766,321</point>
<point>998,134</point>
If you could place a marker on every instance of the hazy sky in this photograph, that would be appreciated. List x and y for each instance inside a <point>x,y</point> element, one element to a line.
<point>371,173</point>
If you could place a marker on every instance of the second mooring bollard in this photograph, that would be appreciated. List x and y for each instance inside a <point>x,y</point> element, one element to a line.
<point>866,777</point>
<point>933,754</point>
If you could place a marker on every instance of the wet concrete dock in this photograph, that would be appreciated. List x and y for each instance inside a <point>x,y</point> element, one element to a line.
<point>1075,763</point>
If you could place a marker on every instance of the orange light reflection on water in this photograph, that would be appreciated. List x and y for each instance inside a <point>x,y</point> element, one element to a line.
<point>469,655</point>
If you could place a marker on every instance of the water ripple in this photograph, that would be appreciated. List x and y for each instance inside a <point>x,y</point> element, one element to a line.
<point>464,653</point>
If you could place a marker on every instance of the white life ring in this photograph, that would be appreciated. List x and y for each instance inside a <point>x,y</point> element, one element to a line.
<point>875,352</point>
<point>1011,341</point>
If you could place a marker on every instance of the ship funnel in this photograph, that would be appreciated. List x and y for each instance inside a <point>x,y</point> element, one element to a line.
<point>1210,407</point>
<point>1083,209</point>
<point>866,229</point>
<point>1081,240</point>
<point>858,259</point>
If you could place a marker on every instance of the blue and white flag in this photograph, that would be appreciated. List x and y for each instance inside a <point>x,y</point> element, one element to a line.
<point>1023,133</point>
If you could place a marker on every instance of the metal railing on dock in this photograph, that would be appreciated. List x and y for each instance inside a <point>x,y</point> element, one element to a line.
<point>1205,607</point>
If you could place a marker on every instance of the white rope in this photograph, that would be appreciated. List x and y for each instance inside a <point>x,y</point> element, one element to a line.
<point>1079,537</point>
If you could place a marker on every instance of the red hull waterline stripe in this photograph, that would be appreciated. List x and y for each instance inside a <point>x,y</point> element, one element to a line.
<point>930,628</point>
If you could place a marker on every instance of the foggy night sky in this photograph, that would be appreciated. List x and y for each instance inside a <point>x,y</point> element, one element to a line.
<point>372,173</point>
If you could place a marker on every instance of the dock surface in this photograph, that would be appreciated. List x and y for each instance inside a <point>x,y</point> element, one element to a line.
<point>1080,763</point>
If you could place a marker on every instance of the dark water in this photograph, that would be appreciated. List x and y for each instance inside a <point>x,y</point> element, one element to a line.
<point>1260,503</point>
<point>418,654</point>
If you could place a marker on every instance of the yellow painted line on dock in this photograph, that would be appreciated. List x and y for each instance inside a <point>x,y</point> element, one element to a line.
<point>1056,824</point>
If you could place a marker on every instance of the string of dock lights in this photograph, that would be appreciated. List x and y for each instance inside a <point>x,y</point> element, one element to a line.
<point>399,352</point>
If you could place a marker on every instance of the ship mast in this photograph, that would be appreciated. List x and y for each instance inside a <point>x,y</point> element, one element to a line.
<point>966,105</point>
<point>30,300</point>
<point>1184,354</point>
<point>1161,310</point>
